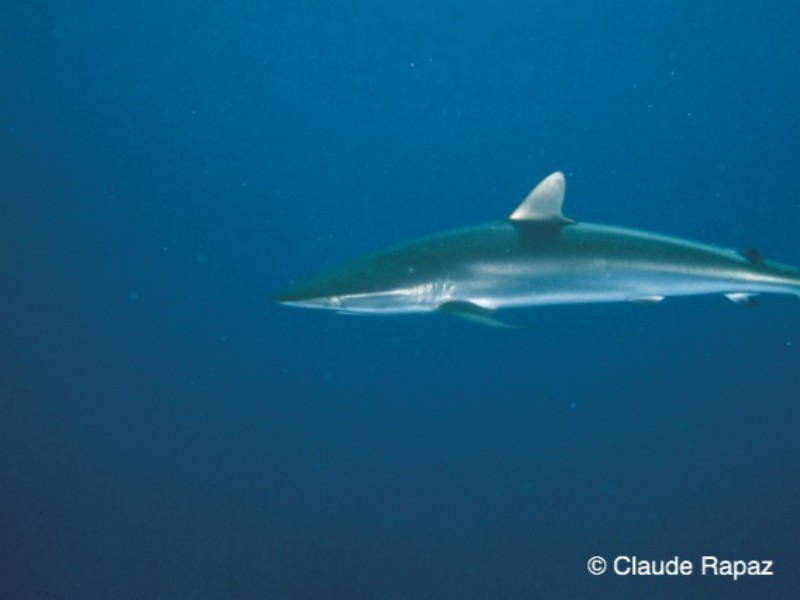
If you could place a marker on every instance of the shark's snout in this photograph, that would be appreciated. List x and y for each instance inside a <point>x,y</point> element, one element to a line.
<point>315,292</point>
<point>300,295</point>
<point>352,288</point>
<point>326,289</point>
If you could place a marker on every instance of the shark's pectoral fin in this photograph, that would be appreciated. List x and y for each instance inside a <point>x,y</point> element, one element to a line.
<point>743,299</point>
<point>472,312</point>
<point>646,300</point>
<point>543,204</point>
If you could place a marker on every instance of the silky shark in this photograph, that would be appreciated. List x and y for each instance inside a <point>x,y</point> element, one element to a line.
<point>535,257</point>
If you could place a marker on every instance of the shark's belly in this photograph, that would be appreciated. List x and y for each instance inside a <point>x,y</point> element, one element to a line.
<point>594,280</point>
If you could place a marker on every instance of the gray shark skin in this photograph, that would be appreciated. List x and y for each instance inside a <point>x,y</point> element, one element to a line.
<point>537,257</point>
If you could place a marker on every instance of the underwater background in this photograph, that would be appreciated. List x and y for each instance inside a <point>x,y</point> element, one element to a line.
<point>168,432</point>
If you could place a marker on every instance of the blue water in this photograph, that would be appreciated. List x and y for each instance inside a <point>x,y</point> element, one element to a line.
<point>167,432</point>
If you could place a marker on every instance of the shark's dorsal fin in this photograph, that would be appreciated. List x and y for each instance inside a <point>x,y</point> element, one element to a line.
<point>543,204</point>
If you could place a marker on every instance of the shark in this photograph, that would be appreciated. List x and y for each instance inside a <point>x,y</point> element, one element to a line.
<point>536,257</point>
